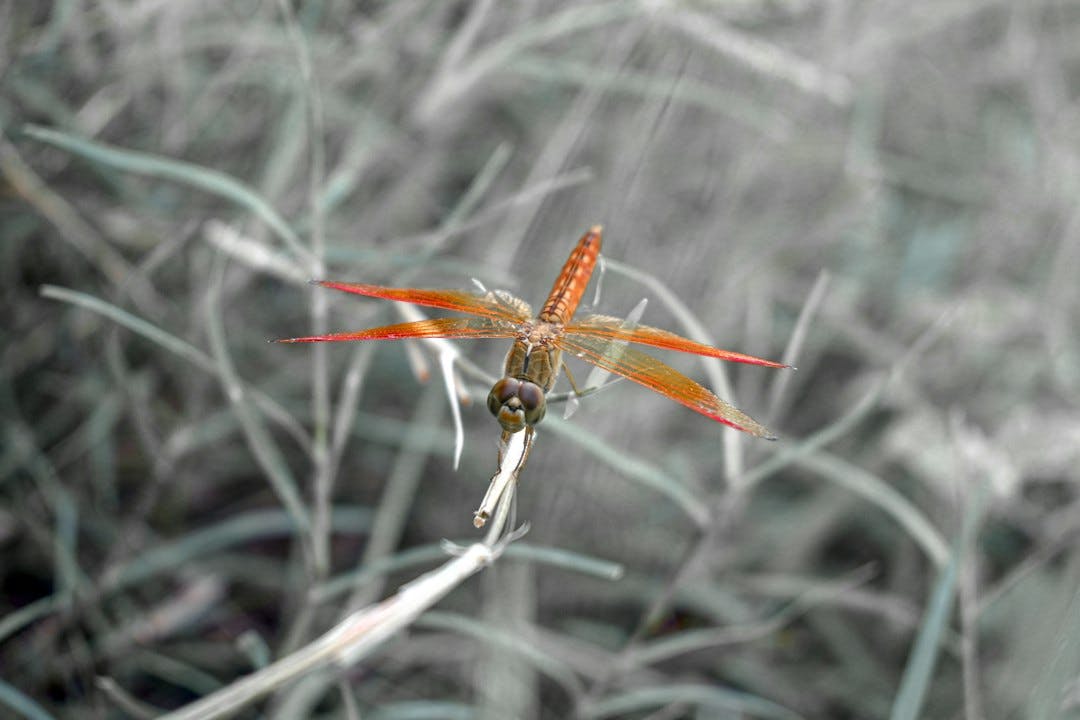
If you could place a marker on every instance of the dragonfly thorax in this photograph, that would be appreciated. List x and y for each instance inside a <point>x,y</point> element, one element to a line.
<point>530,370</point>
<point>540,332</point>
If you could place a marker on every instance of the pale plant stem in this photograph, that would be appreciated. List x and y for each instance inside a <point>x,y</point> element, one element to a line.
<point>357,635</point>
<point>321,477</point>
<point>73,229</point>
<point>508,685</point>
<point>123,700</point>
<point>558,149</point>
<point>497,539</point>
<point>798,338</point>
<point>399,492</point>
<point>765,58</point>
<point>348,400</point>
<point>734,457</point>
<point>352,711</point>
<point>622,660</point>
<point>263,402</point>
<point>967,586</point>
<point>322,481</point>
<point>261,444</point>
<point>197,176</point>
<point>969,645</point>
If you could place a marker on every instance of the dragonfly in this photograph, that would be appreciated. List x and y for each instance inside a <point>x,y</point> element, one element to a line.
<point>518,399</point>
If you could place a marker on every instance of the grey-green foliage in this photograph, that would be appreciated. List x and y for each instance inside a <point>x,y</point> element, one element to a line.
<point>883,194</point>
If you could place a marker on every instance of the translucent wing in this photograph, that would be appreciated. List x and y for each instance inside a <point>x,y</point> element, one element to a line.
<point>452,327</point>
<point>487,305</point>
<point>648,371</point>
<point>612,329</point>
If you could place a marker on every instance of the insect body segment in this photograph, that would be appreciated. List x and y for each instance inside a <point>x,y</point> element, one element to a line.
<point>569,287</point>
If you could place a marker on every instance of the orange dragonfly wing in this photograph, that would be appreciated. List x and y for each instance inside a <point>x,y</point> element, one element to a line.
<point>487,305</point>
<point>657,376</point>
<point>611,329</point>
<point>451,327</point>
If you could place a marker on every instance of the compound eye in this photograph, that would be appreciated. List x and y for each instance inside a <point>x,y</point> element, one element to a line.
<point>532,398</point>
<point>506,389</point>
<point>502,391</point>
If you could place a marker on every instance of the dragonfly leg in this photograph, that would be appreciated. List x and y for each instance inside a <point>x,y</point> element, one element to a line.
<point>577,392</point>
<point>570,377</point>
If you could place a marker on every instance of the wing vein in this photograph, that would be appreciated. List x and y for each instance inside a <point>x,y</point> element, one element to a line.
<point>487,305</point>
<point>661,378</point>
<point>451,327</point>
<point>612,329</point>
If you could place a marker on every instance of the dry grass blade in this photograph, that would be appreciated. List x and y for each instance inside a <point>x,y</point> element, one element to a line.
<point>76,231</point>
<point>262,444</point>
<point>194,175</point>
<point>734,462</point>
<point>178,347</point>
<point>356,636</point>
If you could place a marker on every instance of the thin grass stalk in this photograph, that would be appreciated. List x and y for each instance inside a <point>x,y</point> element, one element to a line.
<point>885,497</point>
<point>22,703</point>
<point>710,698</point>
<point>797,451</point>
<point>359,634</point>
<point>461,76</point>
<point>506,676</point>
<point>322,480</point>
<point>636,470</point>
<point>767,58</point>
<point>752,115</point>
<point>919,671</point>
<point>73,229</point>
<point>172,555</point>
<point>557,154</point>
<point>424,554</point>
<point>267,405</point>
<point>688,641</point>
<point>197,176</point>
<point>734,448</point>
<point>260,441</point>
<point>969,639</point>
<point>348,401</point>
<point>399,491</point>
<point>795,343</point>
<point>516,640</point>
<point>256,254</point>
<point>125,701</point>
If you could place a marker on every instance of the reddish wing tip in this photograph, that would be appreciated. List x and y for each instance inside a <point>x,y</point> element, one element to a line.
<point>760,362</point>
<point>772,364</point>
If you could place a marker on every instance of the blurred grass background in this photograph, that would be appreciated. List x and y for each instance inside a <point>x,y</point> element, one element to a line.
<point>901,176</point>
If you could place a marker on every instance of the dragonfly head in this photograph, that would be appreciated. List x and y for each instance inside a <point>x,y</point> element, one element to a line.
<point>516,403</point>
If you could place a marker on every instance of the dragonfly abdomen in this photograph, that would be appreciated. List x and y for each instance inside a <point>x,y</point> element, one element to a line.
<point>568,289</point>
